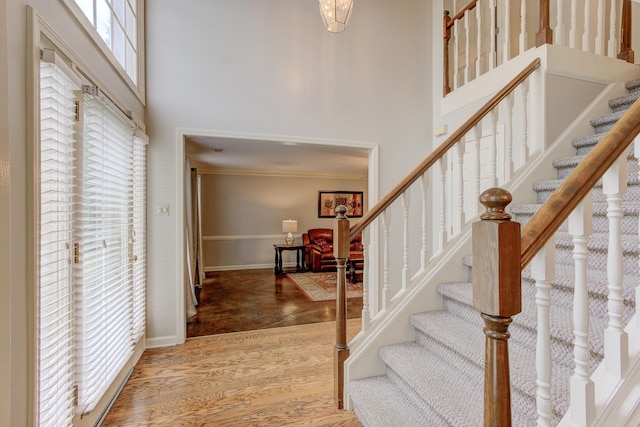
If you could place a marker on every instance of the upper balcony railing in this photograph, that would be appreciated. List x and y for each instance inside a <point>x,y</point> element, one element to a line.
<point>486,33</point>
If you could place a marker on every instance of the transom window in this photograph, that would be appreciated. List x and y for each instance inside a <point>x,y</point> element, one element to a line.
<point>116,21</point>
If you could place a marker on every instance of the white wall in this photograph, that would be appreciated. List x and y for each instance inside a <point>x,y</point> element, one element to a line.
<point>16,309</point>
<point>242,215</point>
<point>270,68</point>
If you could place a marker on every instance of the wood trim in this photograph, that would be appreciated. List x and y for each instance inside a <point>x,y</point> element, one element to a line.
<point>545,33</point>
<point>470,6</point>
<point>578,184</point>
<point>626,52</point>
<point>433,158</point>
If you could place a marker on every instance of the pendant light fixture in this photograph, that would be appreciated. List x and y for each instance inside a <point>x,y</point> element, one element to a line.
<point>335,14</point>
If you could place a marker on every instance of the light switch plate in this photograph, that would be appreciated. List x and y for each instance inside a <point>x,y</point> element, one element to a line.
<point>162,210</point>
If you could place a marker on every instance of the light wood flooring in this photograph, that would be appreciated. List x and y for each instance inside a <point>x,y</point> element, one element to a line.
<point>269,374</point>
<point>270,377</point>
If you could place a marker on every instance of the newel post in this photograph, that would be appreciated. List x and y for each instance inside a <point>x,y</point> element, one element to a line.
<point>497,294</point>
<point>446,34</point>
<point>340,253</point>
<point>626,52</point>
<point>545,33</point>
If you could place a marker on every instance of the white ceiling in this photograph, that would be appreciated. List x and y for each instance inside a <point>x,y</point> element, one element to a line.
<point>273,157</point>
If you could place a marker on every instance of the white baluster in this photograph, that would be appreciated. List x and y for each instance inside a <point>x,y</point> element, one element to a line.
<point>582,388</point>
<point>476,135</point>
<point>366,310</point>
<point>406,203</point>
<point>616,340</point>
<point>443,201</point>
<point>506,46</point>
<point>543,270</point>
<point>425,253</point>
<point>558,32</point>
<point>523,26</point>
<point>478,40</point>
<point>386,222</point>
<point>599,41</point>
<point>586,35</point>
<point>508,103</point>
<point>573,31</point>
<point>460,181</point>
<point>493,148</point>
<point>492,37</point>
<point>613,26</point>
<point>524,94</point>
<point>467,47</point>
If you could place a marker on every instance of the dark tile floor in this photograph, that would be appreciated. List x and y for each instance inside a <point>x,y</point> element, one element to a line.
<point>245,300</point>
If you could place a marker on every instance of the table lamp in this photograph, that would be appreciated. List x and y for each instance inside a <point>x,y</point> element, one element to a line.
<point>289,226</point>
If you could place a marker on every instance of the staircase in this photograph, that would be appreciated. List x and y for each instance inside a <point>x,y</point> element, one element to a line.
<point>438,379</point>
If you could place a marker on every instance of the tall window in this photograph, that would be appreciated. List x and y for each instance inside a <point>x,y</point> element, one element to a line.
<point>116,21</point>
<point>91,244</point>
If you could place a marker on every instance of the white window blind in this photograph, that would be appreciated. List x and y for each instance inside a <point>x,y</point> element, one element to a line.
<point>138,238</point>
<point>104,276</point>
<point>55,329</point>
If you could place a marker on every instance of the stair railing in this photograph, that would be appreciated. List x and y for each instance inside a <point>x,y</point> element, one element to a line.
<point>498,282</point>
<point>475,43</point>
<point>447,163</point>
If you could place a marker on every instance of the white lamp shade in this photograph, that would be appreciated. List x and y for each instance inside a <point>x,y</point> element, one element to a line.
<point>335,14</point>
<point>289,226</point>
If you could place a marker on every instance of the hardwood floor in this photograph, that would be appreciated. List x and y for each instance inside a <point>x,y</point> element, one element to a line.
<point>269,374</point>
<point>233,301</point>
<point>270,377</point>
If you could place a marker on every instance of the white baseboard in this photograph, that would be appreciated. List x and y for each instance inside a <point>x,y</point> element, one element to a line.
<point>246,267</point>
<point>166,341</point>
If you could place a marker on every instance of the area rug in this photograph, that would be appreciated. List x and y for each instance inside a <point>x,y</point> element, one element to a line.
<point>322,286</point>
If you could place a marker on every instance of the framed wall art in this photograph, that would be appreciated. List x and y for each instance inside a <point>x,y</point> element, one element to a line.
<point>329,200</point>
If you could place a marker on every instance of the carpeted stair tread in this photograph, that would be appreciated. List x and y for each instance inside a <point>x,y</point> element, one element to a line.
<point>468,341</point>
<point>441,384</point>
<point>587,141</point>
<point>437,382</point>
<point>566,165</point>
<point>605,122</point>
<point>599,208</point>
<point>622,103</point>
<point>561,317</point>
<point>545,188</point>
<point>378,403</point>
<point>600,242</point>
<point>632,85</point>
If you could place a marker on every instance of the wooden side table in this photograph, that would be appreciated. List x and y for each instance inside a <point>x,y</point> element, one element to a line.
<point>299,257</point>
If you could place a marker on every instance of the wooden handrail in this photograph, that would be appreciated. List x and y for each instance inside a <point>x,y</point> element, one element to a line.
<point>470,6</point>
<point>578,184</point>
<point>435,155</point>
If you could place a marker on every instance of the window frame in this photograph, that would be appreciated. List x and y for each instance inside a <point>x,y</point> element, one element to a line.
<point>140,88</point>
<point>42,36</point>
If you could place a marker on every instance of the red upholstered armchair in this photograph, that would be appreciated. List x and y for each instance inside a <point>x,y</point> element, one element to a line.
<point>319,249</point>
